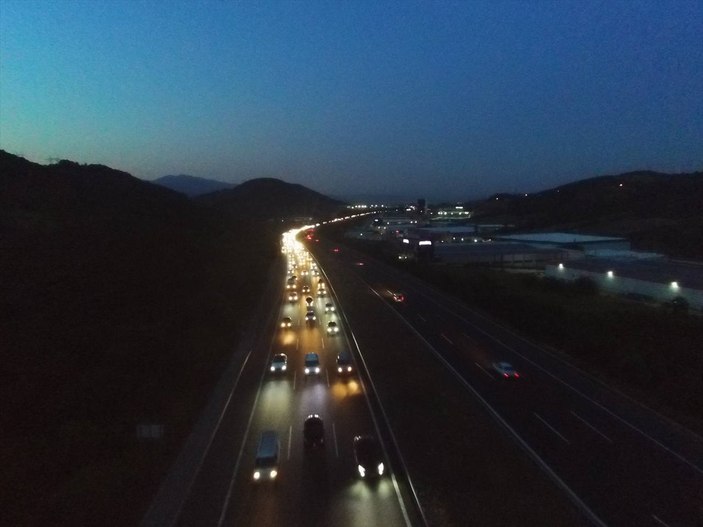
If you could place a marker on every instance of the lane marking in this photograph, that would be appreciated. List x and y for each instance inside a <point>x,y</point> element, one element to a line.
<point>297,343</point>
<point>484,370</point>
<point>660,521</point>
<point>446,338</point>
<point>334,437</point>
<point>569,386</point>
<point>589,425</point>
<point>327,374</point>
<point>290,438</point>
<point>295,375</point>
<point>323,342</point>
<point>551,427</point>
<point>421,318</point>
<point>585,509</point>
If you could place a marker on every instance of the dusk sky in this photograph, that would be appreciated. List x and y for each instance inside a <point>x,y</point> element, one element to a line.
<point>436,99</point>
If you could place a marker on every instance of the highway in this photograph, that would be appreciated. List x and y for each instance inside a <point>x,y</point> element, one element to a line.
<point>618,462</point>
<point>314,485</point>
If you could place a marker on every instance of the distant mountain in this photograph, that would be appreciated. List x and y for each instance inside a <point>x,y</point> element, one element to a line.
<point>659,212</point>
<point>268,198</point>
<point>191,186</point>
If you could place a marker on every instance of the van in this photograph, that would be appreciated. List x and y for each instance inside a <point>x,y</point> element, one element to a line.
<point>266,464</point>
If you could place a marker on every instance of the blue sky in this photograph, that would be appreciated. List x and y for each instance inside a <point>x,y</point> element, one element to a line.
<point>436,99</point>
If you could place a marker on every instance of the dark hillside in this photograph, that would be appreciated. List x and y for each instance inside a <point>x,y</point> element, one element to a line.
<point>658,212</point>
<point>269,198</point>
<point>191,186</point>
<point>120,302</point>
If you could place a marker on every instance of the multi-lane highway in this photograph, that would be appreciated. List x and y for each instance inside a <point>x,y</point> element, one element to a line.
<point>618,462</point>
<point>313,486</point>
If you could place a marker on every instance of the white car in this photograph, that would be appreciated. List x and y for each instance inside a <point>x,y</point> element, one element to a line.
<point>329,307</point>
<point>332,328</point>
<point>279,363</point>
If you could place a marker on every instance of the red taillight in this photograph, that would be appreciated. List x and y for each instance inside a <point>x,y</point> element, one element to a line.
<point>517,375</point>
<point>506,375</point>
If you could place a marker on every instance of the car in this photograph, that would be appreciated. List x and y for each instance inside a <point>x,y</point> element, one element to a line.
<point>293,296</point>
<point>313,431</point>
<point>398,297</point>
<point>321,292</point>
<point>335,250</point>
<point>344,363</point>
<point>310,317</point>
<point>368,457</point>
<point>306,289</point>
<point>304,272</point>
<point>506,370</point>
<point>266,462</point>
<point>315,272</point>
<point>312,364</point>
<point>286,323</point>
<point>329,307</point>
<point>332,328</point>
<point>308,301</point>
<point>279,363</point>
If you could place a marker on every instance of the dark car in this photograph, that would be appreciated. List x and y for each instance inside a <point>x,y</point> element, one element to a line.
<point>344,363</point>
<point>368,456</point>
<point>313,431</point>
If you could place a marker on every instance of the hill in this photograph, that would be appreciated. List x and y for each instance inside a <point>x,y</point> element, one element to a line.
<point>120,302</point>
<point>269,198</point>
<point>657,212</point>
<point>191,186</point>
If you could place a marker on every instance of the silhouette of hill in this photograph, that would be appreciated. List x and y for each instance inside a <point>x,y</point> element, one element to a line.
<point>657,212</point>
<point>268,198</point>
<point>191,186</point>
<point>120,302</point>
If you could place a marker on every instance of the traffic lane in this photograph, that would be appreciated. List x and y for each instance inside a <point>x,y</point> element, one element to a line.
<point>326,484</point>
<point>544,413</point>
<point>680,442</point>
<point>314,486</point>
<point>641,489</point>
<point>489,460</point>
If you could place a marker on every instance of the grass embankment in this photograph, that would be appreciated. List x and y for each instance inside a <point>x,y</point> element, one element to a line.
<point>647,351</point>
<point>105,329</point>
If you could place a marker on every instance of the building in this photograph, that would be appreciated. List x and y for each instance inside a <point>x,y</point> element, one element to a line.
<point>588,244</point>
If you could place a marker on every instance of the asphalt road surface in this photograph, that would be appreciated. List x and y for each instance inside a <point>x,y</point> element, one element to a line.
<point>317,486</point>
<point>621,463</point>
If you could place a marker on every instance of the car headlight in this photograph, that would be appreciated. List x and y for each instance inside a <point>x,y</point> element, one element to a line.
<point>339,369</point>
<point>317,370</point>
<point>307,370</point>
<point>362,471</point>
<point>257,475</point>
<point>348,368</point>
<point>274,473</point>
<point>380,469</point>
<point>273,368</point>
<point>283,368</point>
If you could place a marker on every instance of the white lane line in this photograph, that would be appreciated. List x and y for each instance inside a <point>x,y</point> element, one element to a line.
<point>422,318</point>
<point>297,343</point>
<point>551,428</point>
<point>334,437</point>
<point>290,438</point>
<point>295,374</point>
<point>446,338</point>
<point>589,425</point>
<point>323,342</point>
<point>327,374</point>
<point>485,371</point>
<point>660,521</point>
<point>569,386</point>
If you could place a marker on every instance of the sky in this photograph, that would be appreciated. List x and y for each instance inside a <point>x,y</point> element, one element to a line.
<point>443,100</point>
